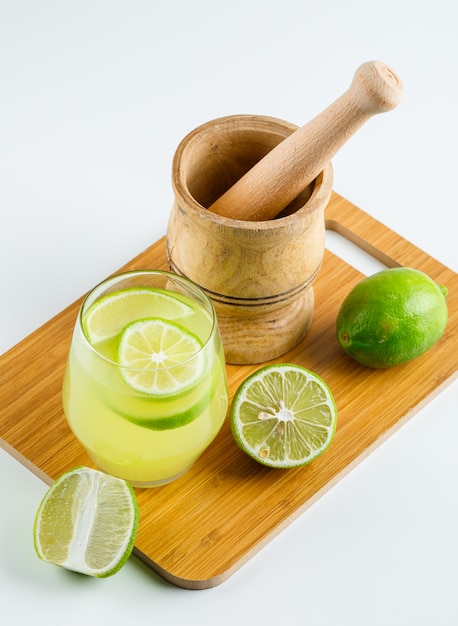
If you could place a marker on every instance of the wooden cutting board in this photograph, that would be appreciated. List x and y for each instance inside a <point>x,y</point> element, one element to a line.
<point>197,531</point>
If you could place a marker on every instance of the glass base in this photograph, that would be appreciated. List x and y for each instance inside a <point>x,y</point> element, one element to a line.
<point>137,483</point>
<point>157,483</point>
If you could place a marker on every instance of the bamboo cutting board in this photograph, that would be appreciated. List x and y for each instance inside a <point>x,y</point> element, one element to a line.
<point>199,530</point>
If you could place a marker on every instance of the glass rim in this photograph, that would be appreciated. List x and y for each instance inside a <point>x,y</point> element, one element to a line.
<point>147,272</point>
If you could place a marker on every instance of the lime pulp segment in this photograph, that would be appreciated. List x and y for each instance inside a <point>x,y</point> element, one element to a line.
<point>283,416</point>
<point>160,357</point>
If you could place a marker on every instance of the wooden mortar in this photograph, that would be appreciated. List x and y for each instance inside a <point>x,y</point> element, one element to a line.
<point>258,274</point>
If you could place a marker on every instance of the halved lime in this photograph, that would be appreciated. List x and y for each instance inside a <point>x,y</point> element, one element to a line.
<point>87,522</point>
<point>160,357</point>
<point>106,317</point>
<point>283,416</point>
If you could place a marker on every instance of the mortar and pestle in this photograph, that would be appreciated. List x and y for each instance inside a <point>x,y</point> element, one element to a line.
<point>247,223</point>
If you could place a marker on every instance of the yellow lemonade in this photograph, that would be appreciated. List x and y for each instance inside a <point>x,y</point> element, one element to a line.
<point>145,389</point>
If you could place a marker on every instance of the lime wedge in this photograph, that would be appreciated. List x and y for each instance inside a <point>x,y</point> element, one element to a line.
<point>283,416</point>
<point>160,357</point>
<point>87,522</point>
<point>106,317</point>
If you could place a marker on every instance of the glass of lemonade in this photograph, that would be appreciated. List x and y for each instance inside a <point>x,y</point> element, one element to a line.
<point>145,387</point>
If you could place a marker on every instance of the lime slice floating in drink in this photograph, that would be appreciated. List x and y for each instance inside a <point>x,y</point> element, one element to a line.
<point>283,416</point>
<point>160,357</point>
<point>87,522</point>
<point>106,317</point>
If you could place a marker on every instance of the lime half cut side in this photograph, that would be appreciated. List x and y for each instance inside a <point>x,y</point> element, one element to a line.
<point>107,316</point>
<point>160,357</point>
<point>87,522</point>
<point>283,416</point>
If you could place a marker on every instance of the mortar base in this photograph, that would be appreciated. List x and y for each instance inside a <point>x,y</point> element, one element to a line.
<point>249,339</point>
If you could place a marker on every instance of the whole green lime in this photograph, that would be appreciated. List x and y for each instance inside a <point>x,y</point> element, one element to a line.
<point>392,317</point>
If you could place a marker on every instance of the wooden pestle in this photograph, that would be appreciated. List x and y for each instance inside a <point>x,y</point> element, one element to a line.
<point>272,183</point>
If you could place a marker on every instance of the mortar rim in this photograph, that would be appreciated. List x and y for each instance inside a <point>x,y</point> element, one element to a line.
<point>320,194</point>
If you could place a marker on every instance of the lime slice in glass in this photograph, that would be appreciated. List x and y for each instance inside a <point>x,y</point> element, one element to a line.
<point>106,317</point>
<point>87,522</point>
<point>283,416</point>
<point>160,357</point>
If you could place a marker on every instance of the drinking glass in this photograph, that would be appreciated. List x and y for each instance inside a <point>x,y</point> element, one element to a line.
<point>145,421</point>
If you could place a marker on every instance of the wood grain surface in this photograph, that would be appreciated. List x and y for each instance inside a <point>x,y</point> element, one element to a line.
<point>197,531</point>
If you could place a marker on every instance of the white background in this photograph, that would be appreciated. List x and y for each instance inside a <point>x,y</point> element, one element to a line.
<point>94,99</point>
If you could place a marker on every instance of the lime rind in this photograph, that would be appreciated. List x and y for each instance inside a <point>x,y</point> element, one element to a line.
<point>444,290</point>
<point>107,316</point>
<point>159,357</point>
<point>80,523</point>
<point>283,416</point>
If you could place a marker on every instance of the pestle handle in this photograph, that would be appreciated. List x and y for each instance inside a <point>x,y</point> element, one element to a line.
<point>272,183</point>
